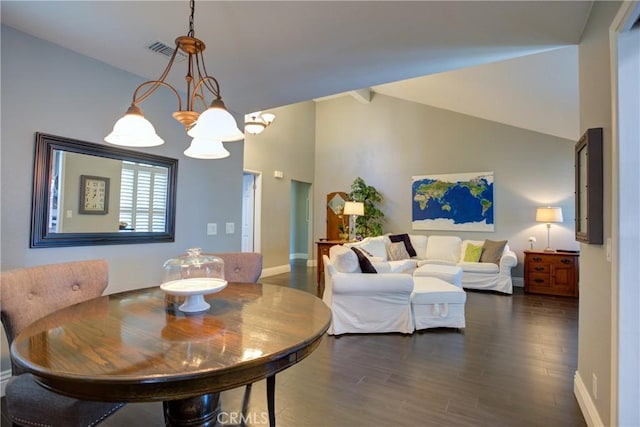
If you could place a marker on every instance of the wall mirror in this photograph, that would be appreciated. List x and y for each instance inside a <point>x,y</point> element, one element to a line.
<point>91,194</point>
<point>589,187</point>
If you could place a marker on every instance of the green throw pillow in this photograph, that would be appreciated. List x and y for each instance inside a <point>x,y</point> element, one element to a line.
<point>472,253</point>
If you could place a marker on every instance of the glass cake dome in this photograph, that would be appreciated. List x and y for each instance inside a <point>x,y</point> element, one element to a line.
<point>193,275</point>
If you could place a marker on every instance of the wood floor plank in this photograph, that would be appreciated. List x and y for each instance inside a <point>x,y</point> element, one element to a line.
<point>513,366</point>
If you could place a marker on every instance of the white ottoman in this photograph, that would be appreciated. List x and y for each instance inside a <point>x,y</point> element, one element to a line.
<point>449,273</point>
<point>437,304</point>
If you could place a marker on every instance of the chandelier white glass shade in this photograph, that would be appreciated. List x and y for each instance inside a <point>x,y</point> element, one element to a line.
<point>134,130</point>
<point>258,121</point>
<point>215,123</point>
<point>201,148</point>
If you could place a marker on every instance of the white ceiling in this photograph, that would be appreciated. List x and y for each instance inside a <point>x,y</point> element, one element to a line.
<point>268,54</point>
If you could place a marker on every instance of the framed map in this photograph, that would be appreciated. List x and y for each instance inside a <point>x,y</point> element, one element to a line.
<point>455,202</point>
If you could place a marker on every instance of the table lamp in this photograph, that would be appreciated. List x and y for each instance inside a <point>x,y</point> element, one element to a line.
<point>353,209</point>
<point>549,214</point>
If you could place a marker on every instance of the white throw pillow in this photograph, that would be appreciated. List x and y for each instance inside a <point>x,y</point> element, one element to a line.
<point>419,243</point>
<point>344,259</point>
<point>444,248</point>
<point>374,246</point>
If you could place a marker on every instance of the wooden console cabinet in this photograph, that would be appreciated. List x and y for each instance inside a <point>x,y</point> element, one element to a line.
<point>552,273</point>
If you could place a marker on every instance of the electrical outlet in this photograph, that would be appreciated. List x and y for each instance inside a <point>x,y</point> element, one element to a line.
<point>230,227</point>
<point>212,228</point>
<point>594,386</point>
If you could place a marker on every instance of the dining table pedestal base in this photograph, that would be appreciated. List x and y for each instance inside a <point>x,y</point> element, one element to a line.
<point>200,411</point>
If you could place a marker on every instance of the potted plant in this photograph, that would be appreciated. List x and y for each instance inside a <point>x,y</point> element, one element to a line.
<point>370,224</point>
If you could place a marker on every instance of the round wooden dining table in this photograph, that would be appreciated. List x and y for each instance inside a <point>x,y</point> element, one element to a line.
<point>137,346</point>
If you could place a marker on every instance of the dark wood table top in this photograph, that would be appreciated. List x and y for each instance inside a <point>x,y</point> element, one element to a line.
<point>137,346</point>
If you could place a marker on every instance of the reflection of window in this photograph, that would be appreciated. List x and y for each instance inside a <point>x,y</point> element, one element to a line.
<point>143,197</point>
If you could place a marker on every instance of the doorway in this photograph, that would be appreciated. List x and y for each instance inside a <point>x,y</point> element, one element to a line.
<point>251,211</point>
<point>300,219</point>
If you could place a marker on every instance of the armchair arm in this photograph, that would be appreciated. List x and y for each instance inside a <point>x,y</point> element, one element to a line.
<point>508,261</point>
<point>371,284</point>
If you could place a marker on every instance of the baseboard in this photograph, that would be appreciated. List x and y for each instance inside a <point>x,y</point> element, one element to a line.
<point>272,271</point>
<point>4,378</point>
<point>589,411</point>
<point>298,256</point>
<point>517,282</point>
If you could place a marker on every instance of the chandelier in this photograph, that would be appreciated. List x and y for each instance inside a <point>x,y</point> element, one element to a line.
<point>255,123</point>
<point>209,128</point>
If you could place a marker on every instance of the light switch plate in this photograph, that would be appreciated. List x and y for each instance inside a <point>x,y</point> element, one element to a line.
<point>212,228</point>
<point>231,227</point>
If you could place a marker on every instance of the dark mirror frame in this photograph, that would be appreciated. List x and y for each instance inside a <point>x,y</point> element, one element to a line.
<point>41,238</point>
<point>589,188</point>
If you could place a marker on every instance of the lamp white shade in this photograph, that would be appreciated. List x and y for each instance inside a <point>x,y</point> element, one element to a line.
<point>216,123</point>
<point>353,208</point>
<point>201,148</point>
<point>549,214</point>
<point>133,130</point>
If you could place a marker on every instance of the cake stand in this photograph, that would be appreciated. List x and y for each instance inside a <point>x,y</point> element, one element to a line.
<point>194,289</point>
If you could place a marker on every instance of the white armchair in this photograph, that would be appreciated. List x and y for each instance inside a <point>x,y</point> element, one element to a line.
<point>367,303</point>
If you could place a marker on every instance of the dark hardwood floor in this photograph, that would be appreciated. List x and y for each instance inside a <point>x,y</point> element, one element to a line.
<point>513,366</point>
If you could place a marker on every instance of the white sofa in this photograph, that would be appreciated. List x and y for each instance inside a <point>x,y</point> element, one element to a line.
<point>445,250</point>
<point>398,299</point>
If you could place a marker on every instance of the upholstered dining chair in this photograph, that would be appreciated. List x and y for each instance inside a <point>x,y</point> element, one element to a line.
<point>246,267</point>
<point>26,295</point>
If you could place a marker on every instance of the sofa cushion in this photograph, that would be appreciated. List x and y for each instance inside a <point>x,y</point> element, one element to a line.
<point>480,267</point>
<point>419,243</point>
<point>344,259</point>
<point>365,264</point>
<point>431,290</point>
<point>397,251</point>
<point>443,249</point>
<point>382,266</point>
<point>472,252</point>
<point>406,240</point>
<point>401,266</point>
<point>492,251</point>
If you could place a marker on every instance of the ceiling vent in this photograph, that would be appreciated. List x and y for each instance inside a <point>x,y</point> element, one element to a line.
<point>166,50</point>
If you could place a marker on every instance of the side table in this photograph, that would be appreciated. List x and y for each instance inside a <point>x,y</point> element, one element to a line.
<point>552,273</point>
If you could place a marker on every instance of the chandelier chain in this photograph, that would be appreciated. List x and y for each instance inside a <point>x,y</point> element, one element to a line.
<point>192,5</point>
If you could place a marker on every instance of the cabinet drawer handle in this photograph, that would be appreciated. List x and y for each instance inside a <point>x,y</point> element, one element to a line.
<point>537,258</point>
<point>565,261</point>
<point>538,280</point>
<point>538,268</point>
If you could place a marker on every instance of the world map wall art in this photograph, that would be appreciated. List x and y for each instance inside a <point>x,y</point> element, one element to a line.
<point>454,202</point>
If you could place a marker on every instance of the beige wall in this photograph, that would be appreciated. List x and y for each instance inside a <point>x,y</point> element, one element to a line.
<point>56,91</point>
<point>287,146</point>
<point>595,276</point>
<point>389,140</point>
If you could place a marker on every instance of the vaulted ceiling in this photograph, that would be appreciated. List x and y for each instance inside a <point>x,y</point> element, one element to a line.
<point>513,62</point>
